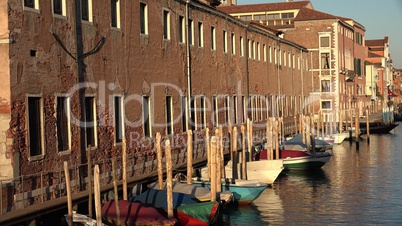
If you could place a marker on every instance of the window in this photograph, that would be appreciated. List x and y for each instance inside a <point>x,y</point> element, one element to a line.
<point>235,110</point>
<point>115,13</point>
<point>225,41</point>
<point>325,86</point>
<point>191,32</point>
<point>243,108</point>
<point>287,15</point>
<point>184,113</point>
<point>325,61</point>
<point>246,18</point>
<point>215,110</point>
<point>233,44</point>
<point>273,16</point>
<point>284,58</point>
<point>241,46</point>
<point>90,122</point>
<point>253,52</point>
<point>275,56</point>
<point>359,38</point>
<point>59,7</point>
<point>34,4</point>
<point>270,54</point>
<point>200,34</point>
<point>258,51</point>
<point>261,17</point>
<point>358,66</point>
<point>146,106</point>
<point>324,41</point>
<point>169,115</point>
<point>202,112</point>
<point>144,18</point>
<point>86,10</point>
<point>249,45</point>
<point>325,104</point>
<point>35,126</point>
<point>63,123</point>
<point>182,29</point>
<point>118,119</point>
<point>227,109</point>
<point>264,49</point>
<point>213,38</point>
<point>193,113</point>
<point>166,25</point>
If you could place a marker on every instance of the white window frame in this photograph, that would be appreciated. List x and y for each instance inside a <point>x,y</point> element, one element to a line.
<point>258,51</point>
<point>182,26</point>
<point>264,47</point>
<point>235,110</point>
<point>167,18</point>
<point>149,116</point>
<point>213,38</point>
<point>241,46</point>
<point>34,9</point>
<point>90,15</point>
<point>122,118</point>
<point>170,107</point>
<point>145,18</point>
<point>233,44</point>
<point>95,134</point>
<point>191,32</point>
<point>225,41</point>
<point>200,34</point>
<point>68,114</point>
<point>118,26</point>
<point>63,9</point>
<point>42,127</point>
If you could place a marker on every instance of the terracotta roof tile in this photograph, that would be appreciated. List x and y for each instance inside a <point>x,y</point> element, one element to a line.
<point>375,42</point>
<point>310,14</point>
<point>265,7</point>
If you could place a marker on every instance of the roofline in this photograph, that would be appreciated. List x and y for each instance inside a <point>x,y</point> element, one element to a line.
<point>247,26</point>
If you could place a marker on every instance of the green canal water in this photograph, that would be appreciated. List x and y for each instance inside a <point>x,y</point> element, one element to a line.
<point>356,187</point>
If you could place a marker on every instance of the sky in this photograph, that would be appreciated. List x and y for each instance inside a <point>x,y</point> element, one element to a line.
<point>380,18</point>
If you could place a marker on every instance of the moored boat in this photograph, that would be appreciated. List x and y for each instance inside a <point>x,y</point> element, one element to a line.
<point>379,128</point>
<point>244,191</point>
<point>304,160</point>
<point>262,169</point>
<point>181,202</point>
<point>134,214</point>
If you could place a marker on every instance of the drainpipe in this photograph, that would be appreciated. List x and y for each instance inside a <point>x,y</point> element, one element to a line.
<point>81,96</point>
<point>188,65</point>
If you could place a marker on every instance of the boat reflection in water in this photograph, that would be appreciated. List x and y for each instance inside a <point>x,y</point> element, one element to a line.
<point>267,208</point>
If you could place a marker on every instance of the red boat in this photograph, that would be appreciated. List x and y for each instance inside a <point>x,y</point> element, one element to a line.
<point>134,213</point>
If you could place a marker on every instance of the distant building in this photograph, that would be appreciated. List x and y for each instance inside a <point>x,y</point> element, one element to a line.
<point>336,50</point>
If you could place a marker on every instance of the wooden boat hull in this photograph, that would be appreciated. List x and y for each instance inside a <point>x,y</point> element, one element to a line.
<point>135,214</point>
<point>265,171</point>
<point>243,193</point>
<point>182,202</point>
<point>301,160</point>
<point>380,129</point>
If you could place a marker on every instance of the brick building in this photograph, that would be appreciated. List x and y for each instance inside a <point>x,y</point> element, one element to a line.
<point>336,50</point>
<point>141,61</point>
<point>379,54</point>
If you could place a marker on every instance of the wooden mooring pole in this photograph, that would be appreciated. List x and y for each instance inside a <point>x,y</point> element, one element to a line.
<point>69,198</point>
<point>169,179</point>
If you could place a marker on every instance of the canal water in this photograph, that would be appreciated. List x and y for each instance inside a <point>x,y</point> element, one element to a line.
<point>356,187</point>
